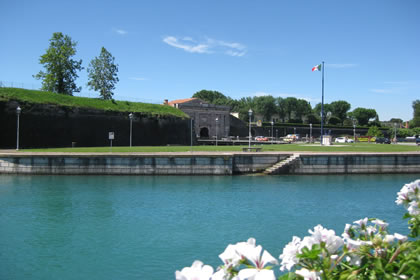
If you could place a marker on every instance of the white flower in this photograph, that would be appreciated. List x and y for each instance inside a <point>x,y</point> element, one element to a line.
<point>347,231</point>
<point>332,242</point>
<point>231,257</point>
<point>307,274</point>
<point>408,193</point>
<point>222,275</point>
<point>196,272</point>
<point>380,223</point>
<point>413,208</point>
<point>254,256</point>
<point>290,251</point>
<point>370,230</point>
<point>361,223</point>
<point>400,237</point>
<point>389,238</point>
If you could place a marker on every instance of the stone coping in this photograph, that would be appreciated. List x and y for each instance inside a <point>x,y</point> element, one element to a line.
<point>14,153</point>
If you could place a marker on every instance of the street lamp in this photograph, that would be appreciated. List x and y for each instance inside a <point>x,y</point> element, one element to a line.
<point>191,143</point>
<point>272,132</point>
<point>18,111</point>
<point>130,116</point>
<point>250,114</point>
<point>217,124</point>
<point>310,133</point>
<point>395,132</point>
<point>354,131</point>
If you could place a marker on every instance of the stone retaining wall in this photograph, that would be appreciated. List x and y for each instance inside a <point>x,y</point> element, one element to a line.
<point>357,164</point>
<point>216,164</point>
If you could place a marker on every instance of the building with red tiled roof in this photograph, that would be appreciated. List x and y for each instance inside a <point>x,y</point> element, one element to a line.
<point>209,120</point>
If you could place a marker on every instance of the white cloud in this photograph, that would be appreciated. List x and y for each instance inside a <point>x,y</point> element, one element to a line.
<point>207,46</point>
<point>341,65</point>
<point>185,45</point>
<point>138,79</point>
<point>120,31</point>
<point>376,90</point>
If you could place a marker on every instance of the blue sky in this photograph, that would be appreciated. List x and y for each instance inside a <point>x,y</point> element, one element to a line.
<point>172,49</point>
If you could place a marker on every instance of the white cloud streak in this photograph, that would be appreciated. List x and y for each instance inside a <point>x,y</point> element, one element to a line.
<point>138,79</point>
<point>120,31</point>
<point>341,65</point>
<point>377,90</point>
<point>208,46</point>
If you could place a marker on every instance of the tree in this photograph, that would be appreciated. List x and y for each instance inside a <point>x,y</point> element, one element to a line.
<point>374,132</point>
<point>303,109</point>
<point>265,106</point>
<point>396,120</point>
<point>210,96</point>
<point>416,113</point>
<point>102,73</point>
<point>290,104</point>
<point>281,108</point>
<point>363,115</point>
<point>60,69</point>
<point>327,110</point>
<point>339,109</point>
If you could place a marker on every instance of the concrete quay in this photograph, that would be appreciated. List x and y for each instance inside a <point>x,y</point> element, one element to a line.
<point>206,163</point>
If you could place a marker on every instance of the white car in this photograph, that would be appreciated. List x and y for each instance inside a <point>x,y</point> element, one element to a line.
<point>340,140</point>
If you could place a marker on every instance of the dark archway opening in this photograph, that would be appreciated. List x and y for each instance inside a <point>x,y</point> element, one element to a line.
<point>204,132</point>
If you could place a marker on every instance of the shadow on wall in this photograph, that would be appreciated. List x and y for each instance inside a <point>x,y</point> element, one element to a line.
<point>54,126</point>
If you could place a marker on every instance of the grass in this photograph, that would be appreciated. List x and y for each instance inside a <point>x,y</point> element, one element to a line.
<point>42,97</point>
<point>357,148</point>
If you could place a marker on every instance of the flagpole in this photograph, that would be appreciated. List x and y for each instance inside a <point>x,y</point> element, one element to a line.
<point>322,105</point>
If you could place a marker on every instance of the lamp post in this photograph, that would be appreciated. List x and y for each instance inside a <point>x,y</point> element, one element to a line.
<point>250,114</point>
<point>18,111</point>
<point>130,116</point>
<point>395,132</point>
<point>191,133</point>
<point>354,131</point>
<point>310,133</point>
<point>272,132</point>
<point>277,134</point>
<point>217,124</point>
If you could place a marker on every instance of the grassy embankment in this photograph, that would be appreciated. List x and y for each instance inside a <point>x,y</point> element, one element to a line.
<point>42,97</point>
<point>356,148</point>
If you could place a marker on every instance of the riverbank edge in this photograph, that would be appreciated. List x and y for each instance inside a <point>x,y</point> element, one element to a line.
<point>207,163</point>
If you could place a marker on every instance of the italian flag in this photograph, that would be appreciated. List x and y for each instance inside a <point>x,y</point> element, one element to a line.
<point>316,68</point>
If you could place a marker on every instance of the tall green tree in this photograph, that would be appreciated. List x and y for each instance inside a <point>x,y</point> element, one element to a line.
<point>211,96</point>
<point>339,109</point>
<point>363,115</point>
<point>102,73</point>
<point>416,113</point>
<point>60,69</point>
<point>303,109</point>
<point>290,104</point>
<point>327,111</point>
<point>281,108</point>
<point>265,106</point>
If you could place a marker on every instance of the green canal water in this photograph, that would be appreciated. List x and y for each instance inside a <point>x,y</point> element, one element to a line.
<point>117,227</point>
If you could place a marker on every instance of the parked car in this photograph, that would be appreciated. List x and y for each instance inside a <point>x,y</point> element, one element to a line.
<point>261,138</point>
<point>382,140</point>
<point>418,141</point>
<point>350,140</point>
<point>340,140</point>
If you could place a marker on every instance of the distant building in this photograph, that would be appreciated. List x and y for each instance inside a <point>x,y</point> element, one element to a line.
<point>206,116</point>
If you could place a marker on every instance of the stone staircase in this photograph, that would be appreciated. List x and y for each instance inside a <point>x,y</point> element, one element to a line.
<point>276,168</point>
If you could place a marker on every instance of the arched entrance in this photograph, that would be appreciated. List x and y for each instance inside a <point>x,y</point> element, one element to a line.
<point>204,132</point>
